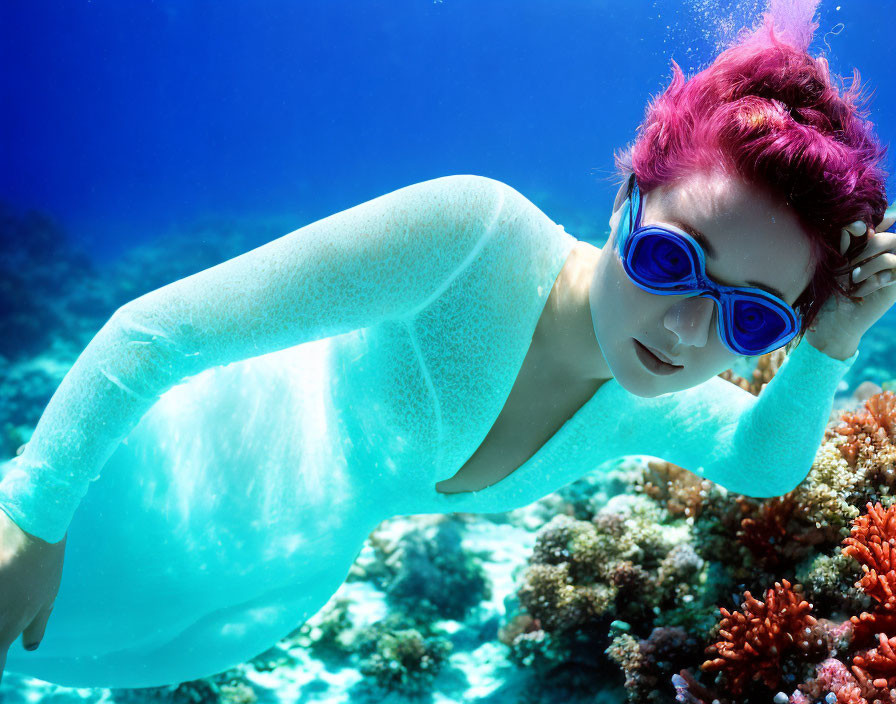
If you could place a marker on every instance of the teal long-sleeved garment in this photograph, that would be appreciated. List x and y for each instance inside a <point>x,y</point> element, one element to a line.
<point>242,430</point>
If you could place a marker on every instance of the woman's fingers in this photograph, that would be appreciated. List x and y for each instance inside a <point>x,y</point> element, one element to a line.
<point>30,575</point>
<point>857,229</point>
<point>878,281</point>
<point>879,265</point>
<point>34,633</point>
<point>877,256</point>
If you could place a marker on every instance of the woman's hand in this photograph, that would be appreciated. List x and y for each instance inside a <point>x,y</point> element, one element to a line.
<point>871,274</point>
<point>30,573</point>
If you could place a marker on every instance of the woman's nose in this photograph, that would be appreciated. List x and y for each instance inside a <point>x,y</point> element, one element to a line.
<point>691,319</point>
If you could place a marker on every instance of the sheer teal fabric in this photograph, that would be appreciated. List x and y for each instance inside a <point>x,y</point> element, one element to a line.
<point>223,446</point>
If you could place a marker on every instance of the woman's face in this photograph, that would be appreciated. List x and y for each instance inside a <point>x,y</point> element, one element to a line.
<point>756,240</point>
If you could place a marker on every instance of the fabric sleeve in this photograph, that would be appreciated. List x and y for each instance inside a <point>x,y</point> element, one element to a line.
<point>383,259</point>
<point>759,446</point>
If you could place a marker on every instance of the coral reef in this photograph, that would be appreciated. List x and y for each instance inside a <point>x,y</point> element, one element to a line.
<point>618,571</point>
<point>400,660</point>
<point>332,638</point>
<point>755,639</point>
<point>428,575</point>
<point>682,492</point>
<point>871,542</point>
<point>46,325</point>
<point>37,256</point>
<point>650,663</point>
<point>871,438</point>
<point>645,583</point>
<point>230,687</point>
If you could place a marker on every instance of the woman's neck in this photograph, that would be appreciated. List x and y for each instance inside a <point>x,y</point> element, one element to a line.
<point>565,334</point>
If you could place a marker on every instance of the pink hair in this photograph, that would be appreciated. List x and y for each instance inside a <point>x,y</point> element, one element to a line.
<point>767,111</point>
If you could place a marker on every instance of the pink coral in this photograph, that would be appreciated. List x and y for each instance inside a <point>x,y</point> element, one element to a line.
<point>832,677</point>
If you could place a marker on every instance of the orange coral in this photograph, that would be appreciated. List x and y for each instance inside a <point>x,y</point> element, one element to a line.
<point>779,530</point>
<point>877,664</point>
<point>870,430</point>
<point>872,542</point>
<point>755,639</point>
<point>682,491</point>
<point>765,533</point>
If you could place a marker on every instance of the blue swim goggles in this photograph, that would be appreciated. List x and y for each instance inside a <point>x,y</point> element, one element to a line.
<point>665,260</point>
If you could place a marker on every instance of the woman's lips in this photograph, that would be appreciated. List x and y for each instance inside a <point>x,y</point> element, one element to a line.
<point>652,362</point>
<point>659,355</point>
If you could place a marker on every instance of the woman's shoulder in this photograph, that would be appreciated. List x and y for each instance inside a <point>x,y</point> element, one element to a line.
<point>472,210</point>
<point>466,181</point>
<point>473,187</point>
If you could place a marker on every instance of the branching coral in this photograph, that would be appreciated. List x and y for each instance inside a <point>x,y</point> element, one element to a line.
<point>878,664</point>
<point>871,542</point>
<point>755,639</point>
<point>582,569</point>
<point>753,537</point>
<point>682,492</point>
<point>856,461</point>
<point>871,435</point>
<point>775,533</point>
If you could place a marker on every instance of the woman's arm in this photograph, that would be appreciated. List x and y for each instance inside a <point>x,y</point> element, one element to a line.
<point>384,259</point>
<point>759,446</point>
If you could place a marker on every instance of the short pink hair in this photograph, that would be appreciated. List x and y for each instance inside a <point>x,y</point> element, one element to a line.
<point>767,111</point>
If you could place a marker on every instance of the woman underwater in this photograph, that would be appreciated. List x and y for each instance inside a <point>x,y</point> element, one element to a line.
<point>444,347</point>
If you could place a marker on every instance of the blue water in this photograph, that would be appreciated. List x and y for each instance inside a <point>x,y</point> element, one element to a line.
<point>124,119</point>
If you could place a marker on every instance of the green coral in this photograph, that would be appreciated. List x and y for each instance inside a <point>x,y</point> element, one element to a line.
<point>401,660</point>
<point>550,596</point>
<point>229,687</point>
<point>582,575</point>
<point>333,635</point>
<point>829,583</point>
<point>830,492</point>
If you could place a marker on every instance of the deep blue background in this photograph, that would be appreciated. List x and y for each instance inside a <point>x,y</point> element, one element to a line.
<point>124,119</point>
